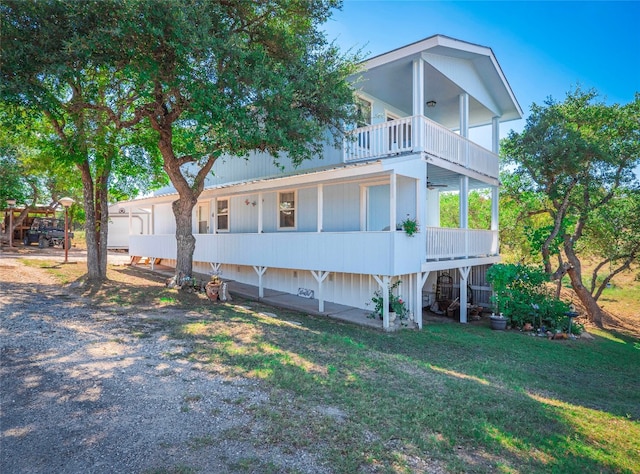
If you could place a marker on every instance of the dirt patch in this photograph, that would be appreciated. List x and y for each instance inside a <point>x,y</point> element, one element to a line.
<point>105,388</point>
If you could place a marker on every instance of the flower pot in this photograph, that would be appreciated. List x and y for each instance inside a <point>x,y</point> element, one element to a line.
<point>213,291</point>
<point>498,323</point>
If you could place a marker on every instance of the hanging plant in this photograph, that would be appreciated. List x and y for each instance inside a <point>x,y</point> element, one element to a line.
<point>410,226</point>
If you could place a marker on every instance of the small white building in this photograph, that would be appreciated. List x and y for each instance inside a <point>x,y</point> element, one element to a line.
<point>329,226</point>
<point>126,221</point>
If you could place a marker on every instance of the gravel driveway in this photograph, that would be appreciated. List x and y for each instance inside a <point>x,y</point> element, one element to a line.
<point>83,392</point>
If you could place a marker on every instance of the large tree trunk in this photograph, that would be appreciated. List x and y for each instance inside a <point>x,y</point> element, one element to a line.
<point>594,312</point>
<point>185,241</point>
<point>102,214</point>
<point>96,272</point>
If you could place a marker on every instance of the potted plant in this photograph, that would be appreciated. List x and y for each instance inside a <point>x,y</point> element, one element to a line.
<point>410,226</point>
<point>212,288</point>
<point>498,322</point>
<point>397,306</point>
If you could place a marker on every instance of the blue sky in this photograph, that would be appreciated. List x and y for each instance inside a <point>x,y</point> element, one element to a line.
<point>544,48</point>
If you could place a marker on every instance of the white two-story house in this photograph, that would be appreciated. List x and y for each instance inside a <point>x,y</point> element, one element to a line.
<point>329,226</point>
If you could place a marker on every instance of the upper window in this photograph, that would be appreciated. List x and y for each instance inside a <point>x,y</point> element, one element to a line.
<point>287,210</point>
<point>222,214</point>
<point>364,112</point>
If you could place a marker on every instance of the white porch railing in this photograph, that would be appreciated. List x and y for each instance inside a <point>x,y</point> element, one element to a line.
<point>448,243</point>
<point>383,253</point>
<point>418,133</point>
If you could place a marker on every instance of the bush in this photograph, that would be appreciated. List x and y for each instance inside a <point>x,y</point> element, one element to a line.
<point>522,296</point>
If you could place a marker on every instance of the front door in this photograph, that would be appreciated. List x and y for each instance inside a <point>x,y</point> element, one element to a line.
<point>203,218</point>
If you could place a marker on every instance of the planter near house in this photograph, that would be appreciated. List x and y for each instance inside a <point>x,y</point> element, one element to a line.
<point>212,289</point>
<point>498,322</point>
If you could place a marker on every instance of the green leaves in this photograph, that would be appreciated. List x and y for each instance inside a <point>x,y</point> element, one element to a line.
<point>569,174</point>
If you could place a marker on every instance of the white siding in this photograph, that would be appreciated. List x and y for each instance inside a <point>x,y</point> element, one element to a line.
<point>307,210</point>
<point>342,208</point>
<point>406,198</point>
<point>270,212</point>
<point>243,213</point>
<point>378,214</point>
<point>164,220</point>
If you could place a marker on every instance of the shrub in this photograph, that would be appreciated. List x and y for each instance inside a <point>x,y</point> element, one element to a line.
<point>522,296</point>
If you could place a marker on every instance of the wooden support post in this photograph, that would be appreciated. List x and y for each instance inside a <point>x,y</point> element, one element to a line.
<point>421,278</point>
<point>464,276</point>
<point>320,277</point>
<point>260,271</point>
<point>215,268</point>
<point>384,288</point>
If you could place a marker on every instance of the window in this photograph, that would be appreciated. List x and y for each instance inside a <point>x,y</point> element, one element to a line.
<point>222,215</point>
<point>287,210</point>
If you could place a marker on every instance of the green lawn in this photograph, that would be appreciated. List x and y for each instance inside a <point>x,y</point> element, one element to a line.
<point>456,397</point>
<point>469,398</point>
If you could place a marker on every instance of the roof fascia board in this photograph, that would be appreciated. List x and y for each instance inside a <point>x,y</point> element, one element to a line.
<point>300,180</point>
<point>404,52</point>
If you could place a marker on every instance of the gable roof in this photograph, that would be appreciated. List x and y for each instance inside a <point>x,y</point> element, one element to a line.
<point>452,66</point>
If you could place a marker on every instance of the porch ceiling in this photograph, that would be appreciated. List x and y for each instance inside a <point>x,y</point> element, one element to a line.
<point>451,180</point>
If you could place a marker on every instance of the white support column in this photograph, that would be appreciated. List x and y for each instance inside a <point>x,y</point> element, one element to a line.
<point>214,215</point>
<point>260,213</point>
<point>420,201</point>
<point>464,275</point>
<point>495,200</point>
<point>384,289</point>
<point>433,208</point>
<point>495,135</point>
<point>130,222</point>
<point>320,277</point>
<point>393,183</point>
<point>464,202</point>
<point>215,268</point>
<point>320,207</point>
<point>418,87</point>
<point>152,221</point>
<point>260,271</point>
<point>464,126</point>
<point>417,132</point>
<point>464,211</point>
<point>421,278</point>
<point>363,208</point>
<point>464,115</point>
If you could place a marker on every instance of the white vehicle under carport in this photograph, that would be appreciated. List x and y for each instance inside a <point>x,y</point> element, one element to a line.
<point>47,232</point>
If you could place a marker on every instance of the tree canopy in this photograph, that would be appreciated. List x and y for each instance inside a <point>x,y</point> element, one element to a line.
<point>571,176</point>
<point>228,78</point>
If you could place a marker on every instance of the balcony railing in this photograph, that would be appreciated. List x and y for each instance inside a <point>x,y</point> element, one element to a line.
<point>382,253</point>
<point>414,134</point>
<point>450,243</point>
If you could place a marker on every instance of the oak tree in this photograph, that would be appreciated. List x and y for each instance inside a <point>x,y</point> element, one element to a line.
<point>573,168</point>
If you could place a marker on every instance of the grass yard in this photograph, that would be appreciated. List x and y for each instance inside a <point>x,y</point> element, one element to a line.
<point>450,398</point>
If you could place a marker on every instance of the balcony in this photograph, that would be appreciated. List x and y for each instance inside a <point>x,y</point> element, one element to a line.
<point>379,253</point>
<point>451,243</point>
<point>416,134</point>
<point>383,253</point>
